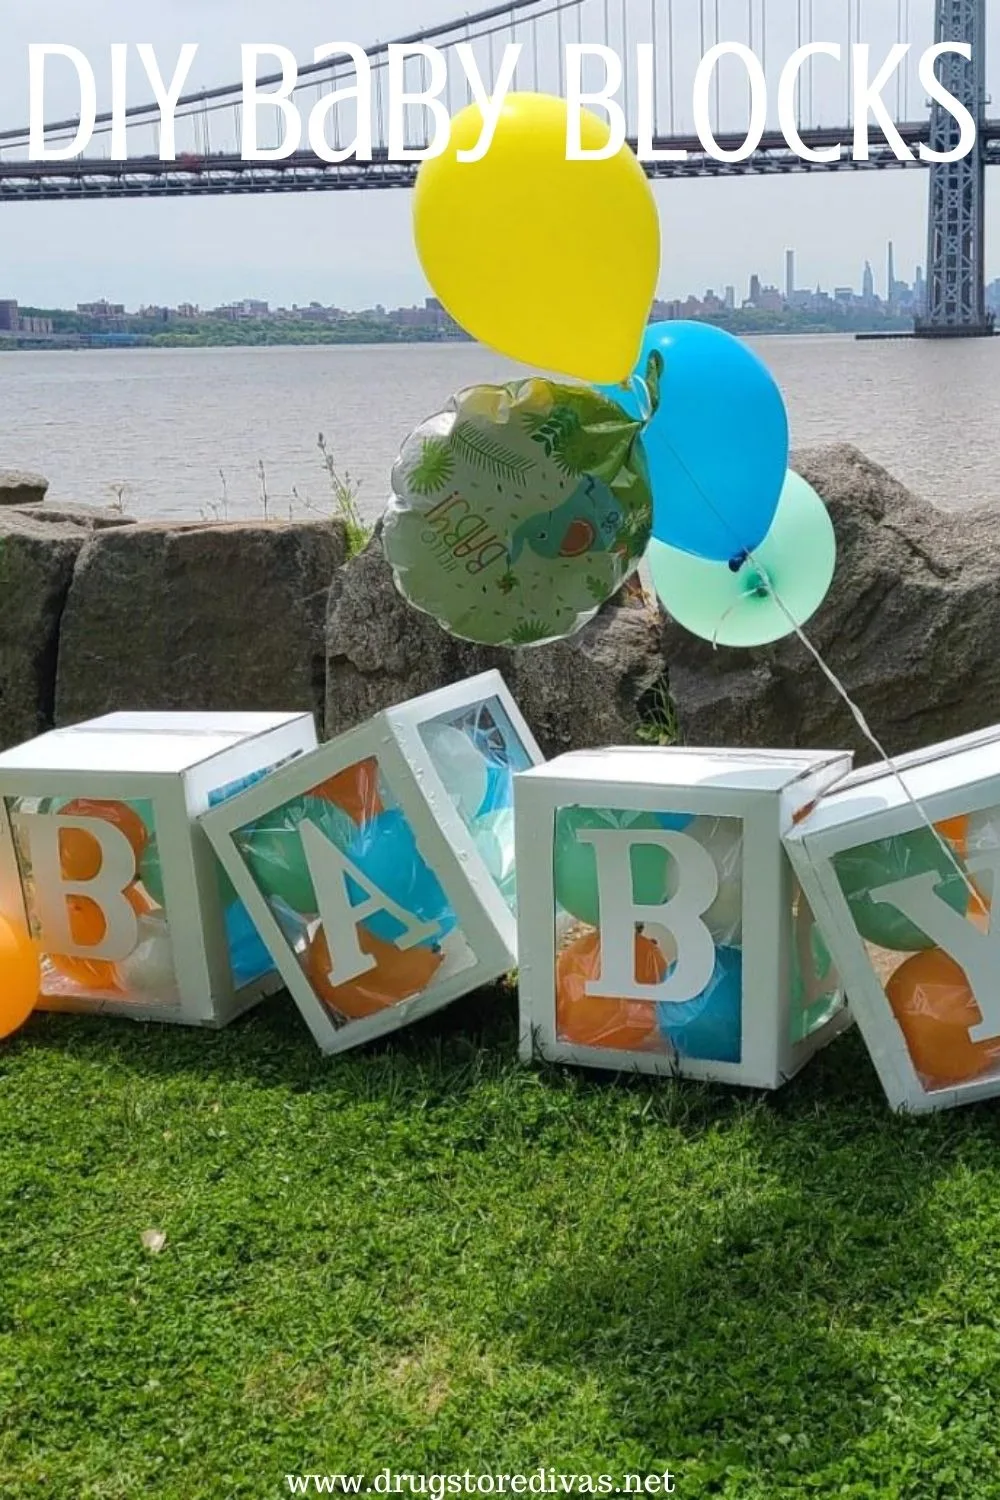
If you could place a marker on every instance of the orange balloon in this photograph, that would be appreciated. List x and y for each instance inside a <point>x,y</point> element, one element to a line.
<point>20,976</point>
<point>355,791</point>
<point>933,1002</point>
<point>592,1021</point>
<point>79,851</point>
<point>396,976</point>
<point>956,831</point>
<point>87,924</point>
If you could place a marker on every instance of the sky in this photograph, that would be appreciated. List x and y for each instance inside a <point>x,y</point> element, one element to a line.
<point>355,249</point>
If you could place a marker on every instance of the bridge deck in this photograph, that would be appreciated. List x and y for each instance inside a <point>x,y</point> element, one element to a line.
<point>304,172</point>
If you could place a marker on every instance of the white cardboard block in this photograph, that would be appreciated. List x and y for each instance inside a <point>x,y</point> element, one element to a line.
<point>396,838</point>
<point>709,966</point>
<point>901,922</point>
<point>101,854</point>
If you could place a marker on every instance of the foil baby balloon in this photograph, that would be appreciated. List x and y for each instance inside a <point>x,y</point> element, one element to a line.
<point>519,511</point>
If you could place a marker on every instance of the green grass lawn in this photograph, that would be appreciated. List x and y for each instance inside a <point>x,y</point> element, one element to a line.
<point>427,1257</point>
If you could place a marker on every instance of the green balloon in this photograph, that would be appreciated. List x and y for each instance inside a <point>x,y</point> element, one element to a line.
<point>151,875</point>
<point>576,863</point>
<point>274,854</point>
<point>863,870</point>
<point>151,872</point>
<point>795,562</point>
<point>809,1018</point>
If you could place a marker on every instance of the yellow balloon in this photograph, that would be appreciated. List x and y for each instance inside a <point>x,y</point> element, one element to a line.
<point>551,262</point>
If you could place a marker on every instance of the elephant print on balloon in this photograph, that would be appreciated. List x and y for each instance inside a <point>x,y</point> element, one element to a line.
<point>589,521</point>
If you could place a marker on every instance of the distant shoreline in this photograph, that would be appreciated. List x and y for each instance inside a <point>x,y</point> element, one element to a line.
<point>71,345</point>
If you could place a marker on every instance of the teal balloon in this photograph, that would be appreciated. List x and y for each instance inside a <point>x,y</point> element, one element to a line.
<point>809,1018</point>
<point>151,872</point>
<point>249,956</point>
<point>863,870</point>
<point>737,604</point>
<point>385,851</point>
<point>576,862</point>
<point>710,1027</point>
<point>717,445</point>
<point>272,849</point>
<point>151,876</point>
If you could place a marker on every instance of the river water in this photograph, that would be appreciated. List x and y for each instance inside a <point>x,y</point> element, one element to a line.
<point>181,434</point>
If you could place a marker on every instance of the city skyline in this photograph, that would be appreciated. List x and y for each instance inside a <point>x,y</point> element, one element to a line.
<point>759,292</point>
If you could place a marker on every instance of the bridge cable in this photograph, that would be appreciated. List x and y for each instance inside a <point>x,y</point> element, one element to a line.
<point>670,63</point>
<point>656,69</point>
<point>718,76</point>
<point>763,35</point>
<point>798,81</point>
<point>812,68</point>
<point>625,55</point>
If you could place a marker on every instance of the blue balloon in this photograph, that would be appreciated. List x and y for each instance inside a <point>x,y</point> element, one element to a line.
<point>386,853</point>
<point>248,955</point>
<point>717,445</point>
<point>674,822</point>
<point>710,1027</point>
<point>499,790</point>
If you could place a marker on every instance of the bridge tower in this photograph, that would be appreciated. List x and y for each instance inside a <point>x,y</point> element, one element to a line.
<point>956,254</point>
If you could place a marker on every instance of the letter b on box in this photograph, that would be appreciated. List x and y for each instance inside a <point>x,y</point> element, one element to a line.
<point>101,853</point>
<point>661,929</point>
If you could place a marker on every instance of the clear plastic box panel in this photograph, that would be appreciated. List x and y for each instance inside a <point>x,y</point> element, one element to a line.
<point>366,852</point>
<point>706,1024</point>
<point>249,958</point>
<point>115,943</point>
<point>477,753</point>
<point>928,991</point>
<point>817,992</point>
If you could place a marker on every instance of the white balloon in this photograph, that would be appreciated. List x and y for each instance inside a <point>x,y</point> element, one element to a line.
<point>149,968</point>
<point>462,769</point>
<point>983,838</point>
<point>984,831</point>
<point>722,838</point>
<point>458,957</point>
<point>493,835</point>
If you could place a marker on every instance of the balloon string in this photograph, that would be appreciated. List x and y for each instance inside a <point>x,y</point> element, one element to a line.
<point>873,740</point>
<point>764,584</point>
<point>641,392</point>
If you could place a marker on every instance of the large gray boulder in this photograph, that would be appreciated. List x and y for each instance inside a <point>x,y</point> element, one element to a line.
<point>910,627</point>
<point>198,617</point>
<point>36,566</point>
<point>592,689</point>
<point>91,517</point>
<point>19,487</point>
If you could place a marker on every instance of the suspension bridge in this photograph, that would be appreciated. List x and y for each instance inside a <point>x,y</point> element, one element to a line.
<point>209,160</point>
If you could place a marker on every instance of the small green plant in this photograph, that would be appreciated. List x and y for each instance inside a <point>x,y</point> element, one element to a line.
<point>658,718</point>
<point>265,499</point>
<point>345,501</point>
<point>216,512</point>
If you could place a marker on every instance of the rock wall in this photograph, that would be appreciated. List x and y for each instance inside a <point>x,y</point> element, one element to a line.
<point>102,613</point>
<point>222,617</point>
<point>589,690</point>
<point>909,627</point>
